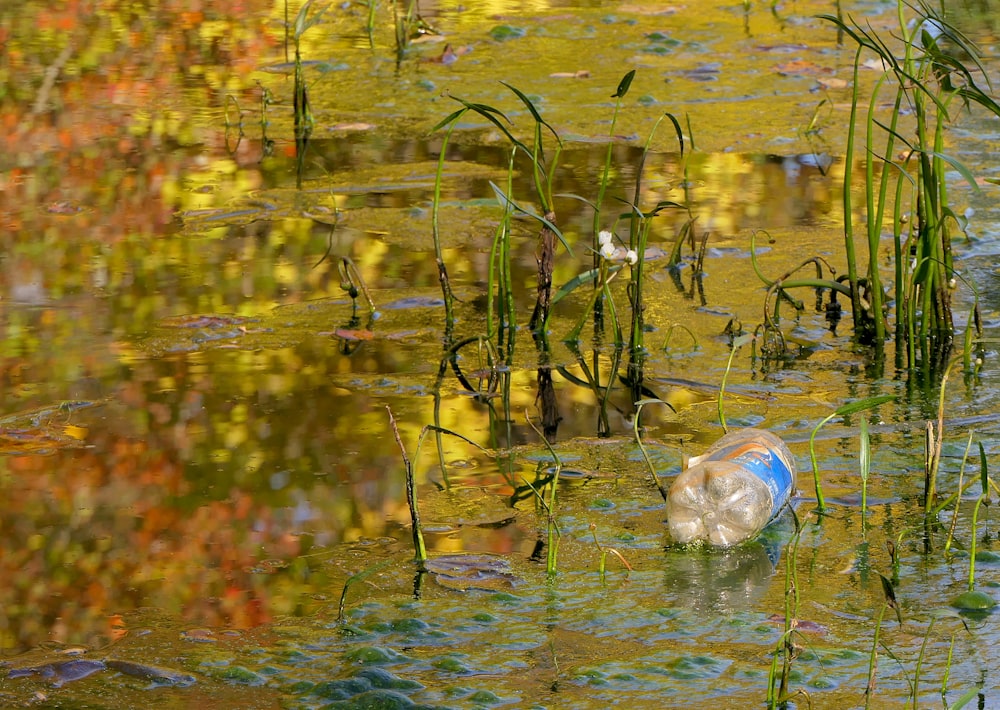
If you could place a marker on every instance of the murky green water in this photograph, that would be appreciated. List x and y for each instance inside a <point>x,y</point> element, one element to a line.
<point>197,450</point>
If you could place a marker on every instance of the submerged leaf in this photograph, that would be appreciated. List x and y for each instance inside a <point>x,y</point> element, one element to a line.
<point>502,33</point>
<point>974,600</point>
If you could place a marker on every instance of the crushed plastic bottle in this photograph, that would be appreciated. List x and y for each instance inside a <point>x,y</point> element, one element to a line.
<point>729,493</point>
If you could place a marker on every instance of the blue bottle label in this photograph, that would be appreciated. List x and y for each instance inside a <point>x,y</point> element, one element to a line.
<point>765,464</point>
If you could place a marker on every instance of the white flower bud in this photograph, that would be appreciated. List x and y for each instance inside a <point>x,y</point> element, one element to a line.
<point>631,257</point>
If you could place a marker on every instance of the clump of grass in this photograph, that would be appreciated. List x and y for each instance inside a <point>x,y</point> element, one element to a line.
<point>938,71</point>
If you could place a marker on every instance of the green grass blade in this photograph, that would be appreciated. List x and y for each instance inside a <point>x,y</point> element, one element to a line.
<point>506,201</point>
<point>534,112</point>
<point>984,474</point>
<point>863,404</point>
<point>624,85</point>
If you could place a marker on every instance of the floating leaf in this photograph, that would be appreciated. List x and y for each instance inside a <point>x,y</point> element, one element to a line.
<point>801,67</point>
<point>502,33</point>
<point>354,334</point>
<point>974,600</point>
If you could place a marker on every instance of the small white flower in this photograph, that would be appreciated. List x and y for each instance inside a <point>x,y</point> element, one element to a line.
<point>604,237</point>
<point>952,283</point>
<point>631,257</point>
<point>608,250</point>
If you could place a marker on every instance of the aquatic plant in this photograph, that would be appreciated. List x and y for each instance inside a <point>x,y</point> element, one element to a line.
<point>841,411</point>
<point>420,549</point>
<point>303,118</point>
<point>888,602</point>
<point>785,650</point>
<point>640,223</point>
<point>552,528</point>
<point>604,553</point>
<point>936,72</point>
<point>971,599</point>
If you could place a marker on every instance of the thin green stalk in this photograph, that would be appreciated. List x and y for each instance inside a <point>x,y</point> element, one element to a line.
<point>843,410</point>
<point>435,225</point>
<point>500,261</point>
<point>865,457</point>
<point>623,87</point>
<point>983,496</point>
<point>638,440</point>
<point>873,656</point>
<point>852,264</point>
<point>551,527</point>
<point>785,648</point>
<point>737,344</point>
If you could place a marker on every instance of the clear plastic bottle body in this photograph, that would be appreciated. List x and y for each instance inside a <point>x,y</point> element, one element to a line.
<point>728,494</point>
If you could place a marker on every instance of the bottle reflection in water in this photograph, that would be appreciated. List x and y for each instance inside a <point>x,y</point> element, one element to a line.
<point>729,493</point>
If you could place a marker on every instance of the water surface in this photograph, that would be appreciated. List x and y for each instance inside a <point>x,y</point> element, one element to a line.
<point>197,450</point>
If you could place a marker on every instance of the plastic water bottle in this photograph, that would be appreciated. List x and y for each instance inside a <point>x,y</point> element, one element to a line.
<point>729,493</point>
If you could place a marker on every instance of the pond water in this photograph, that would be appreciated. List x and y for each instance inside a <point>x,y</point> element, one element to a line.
<point>204,499</point>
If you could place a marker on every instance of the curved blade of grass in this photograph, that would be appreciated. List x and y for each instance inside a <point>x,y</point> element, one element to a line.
<point>678,131</point>
<point>849,408</point>
<point>638,440</point>
<point>959,166</point>
<point>966,697</point>
<point>534,112</point>
<point>587,277</point>
<point>359,577</point>
<point>490,114</point>
<point>572,196</point>
<point>454,116</point>
<point>504,200</point>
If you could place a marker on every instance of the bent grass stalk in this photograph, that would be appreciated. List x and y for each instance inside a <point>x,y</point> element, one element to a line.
<point>552,528</point>
<point>842,411</point>
<point>638,440</point>
<point>604,554</point>
<point>785,650</point>
<point>737,344</point>
<point>411,495</point>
